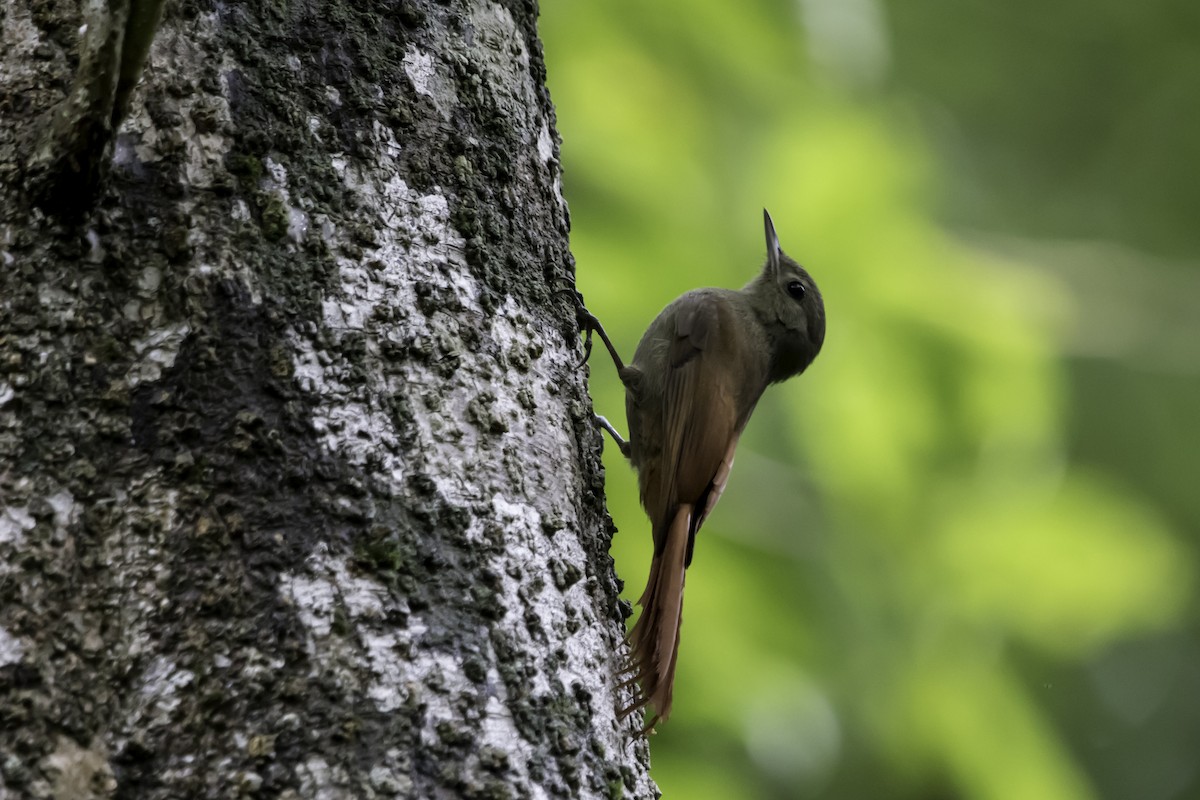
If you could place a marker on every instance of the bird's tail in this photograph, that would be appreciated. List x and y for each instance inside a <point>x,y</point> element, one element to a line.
<point>655,636</point>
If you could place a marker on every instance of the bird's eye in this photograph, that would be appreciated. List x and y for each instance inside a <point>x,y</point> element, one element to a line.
<point>796,290</point>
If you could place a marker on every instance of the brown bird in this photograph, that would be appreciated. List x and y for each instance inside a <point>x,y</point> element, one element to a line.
<point>698,372</point>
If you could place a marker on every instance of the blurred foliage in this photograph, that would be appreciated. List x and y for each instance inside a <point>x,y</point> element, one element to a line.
<point>957,556</point>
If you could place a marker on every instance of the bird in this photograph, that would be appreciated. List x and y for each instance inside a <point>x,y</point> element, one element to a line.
<point>695,379</point>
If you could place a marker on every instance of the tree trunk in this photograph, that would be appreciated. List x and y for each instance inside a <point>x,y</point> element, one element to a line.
<point>299,488</point>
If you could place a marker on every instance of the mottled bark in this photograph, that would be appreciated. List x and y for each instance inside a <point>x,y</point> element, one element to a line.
<point>299,489</point>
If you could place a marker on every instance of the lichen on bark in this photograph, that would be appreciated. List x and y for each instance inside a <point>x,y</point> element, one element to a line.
<point>300,489</point>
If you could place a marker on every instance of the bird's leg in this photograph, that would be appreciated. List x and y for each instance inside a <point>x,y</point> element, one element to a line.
<point>622,444</point>
<point>589,324</point>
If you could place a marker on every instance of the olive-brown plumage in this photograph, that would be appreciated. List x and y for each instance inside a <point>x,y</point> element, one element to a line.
<point>698,372</point>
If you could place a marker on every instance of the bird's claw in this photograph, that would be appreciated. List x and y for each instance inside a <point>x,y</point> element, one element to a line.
<point>588,324</point>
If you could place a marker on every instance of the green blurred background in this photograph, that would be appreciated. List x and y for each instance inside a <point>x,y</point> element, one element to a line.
<point>957,558</point>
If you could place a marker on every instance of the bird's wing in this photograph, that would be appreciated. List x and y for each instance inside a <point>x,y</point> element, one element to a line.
<point>699,412</point>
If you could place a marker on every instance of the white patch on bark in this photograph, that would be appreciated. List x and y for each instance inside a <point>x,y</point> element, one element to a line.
<point>418,66</point>
<point>17,520</point>
<point>14,522</point>
<point>330,589</point>
<point>7,259</point>
<point>11,649</point>
<point>276,176</point>
<point>66,513</point>
<point>320,781</point>
<point>241,210</point>
<point>545,143</point>
<point>161,685</point>
<point>95,251</point>
<point>275,182</point>
<point>314,599</point>
<point>497,729</point>
<point>428,78</point>
<point>392,673</point>
<point>124,154</point>
<point>414,243</point>
<point>297,225</point>
<point>588,651</point>
<point>391,779</point>
<point>150,280</point>
<point>157,351</point>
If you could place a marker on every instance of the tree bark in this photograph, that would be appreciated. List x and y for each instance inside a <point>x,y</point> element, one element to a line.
<point>299,488</point>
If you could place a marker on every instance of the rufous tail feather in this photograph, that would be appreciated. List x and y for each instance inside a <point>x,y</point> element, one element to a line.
<point>655,637</point>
